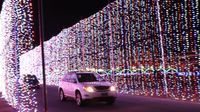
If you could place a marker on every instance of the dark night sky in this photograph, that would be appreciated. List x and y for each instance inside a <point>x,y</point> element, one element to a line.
<point>64,13</point>
<point>60,14</point>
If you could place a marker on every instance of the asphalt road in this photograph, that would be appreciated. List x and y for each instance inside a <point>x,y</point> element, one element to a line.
<point>124,103</point>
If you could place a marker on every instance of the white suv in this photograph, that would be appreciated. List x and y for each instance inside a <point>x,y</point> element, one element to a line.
<point>83,86</point>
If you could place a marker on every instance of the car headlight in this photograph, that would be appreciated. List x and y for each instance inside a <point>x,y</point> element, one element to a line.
<point>112,88</point>
<point>89,89</point>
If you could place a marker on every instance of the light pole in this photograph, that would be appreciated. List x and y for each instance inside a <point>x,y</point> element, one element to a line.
<point>41,32</point>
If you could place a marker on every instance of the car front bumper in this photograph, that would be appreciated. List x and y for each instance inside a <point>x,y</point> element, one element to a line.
<point>99,95</point>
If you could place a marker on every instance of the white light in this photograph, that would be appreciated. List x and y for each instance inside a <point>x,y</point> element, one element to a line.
<point>88,89</point>
<point>112,88</point>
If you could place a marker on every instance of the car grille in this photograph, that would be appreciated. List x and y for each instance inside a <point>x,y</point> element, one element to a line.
<point>102,88</point>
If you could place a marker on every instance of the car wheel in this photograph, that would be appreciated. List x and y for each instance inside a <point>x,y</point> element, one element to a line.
<point>78,99</point>
<point>62,96</point>
<point>110,101</point>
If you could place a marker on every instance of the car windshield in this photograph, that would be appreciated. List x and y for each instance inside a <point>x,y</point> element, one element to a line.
<point>86,77</point>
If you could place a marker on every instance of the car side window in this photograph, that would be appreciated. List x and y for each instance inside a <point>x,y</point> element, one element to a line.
<point>72,78</point>
<point>65,78</point>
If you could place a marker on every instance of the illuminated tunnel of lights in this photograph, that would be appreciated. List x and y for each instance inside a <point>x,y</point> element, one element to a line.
<point>144,47</point>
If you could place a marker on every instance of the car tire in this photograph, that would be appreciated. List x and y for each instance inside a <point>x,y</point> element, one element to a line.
<point>62,96</point>
<point>78,99</point>
<point>110,101</point>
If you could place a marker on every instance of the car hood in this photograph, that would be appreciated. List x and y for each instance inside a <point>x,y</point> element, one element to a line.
<point>96,83</point>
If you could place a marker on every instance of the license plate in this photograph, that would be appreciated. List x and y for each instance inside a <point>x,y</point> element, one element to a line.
<point>104,94</point>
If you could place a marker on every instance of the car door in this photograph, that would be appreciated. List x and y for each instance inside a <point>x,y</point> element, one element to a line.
<point>72,85</point>
<point>65,85</point>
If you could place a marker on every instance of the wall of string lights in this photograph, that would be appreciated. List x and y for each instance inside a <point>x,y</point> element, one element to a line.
<point>128,34</point>
<point>16,35</point>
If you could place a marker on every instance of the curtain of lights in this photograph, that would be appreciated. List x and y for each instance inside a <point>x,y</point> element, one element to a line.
<point>16,35</point>
<point>151,47</point>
